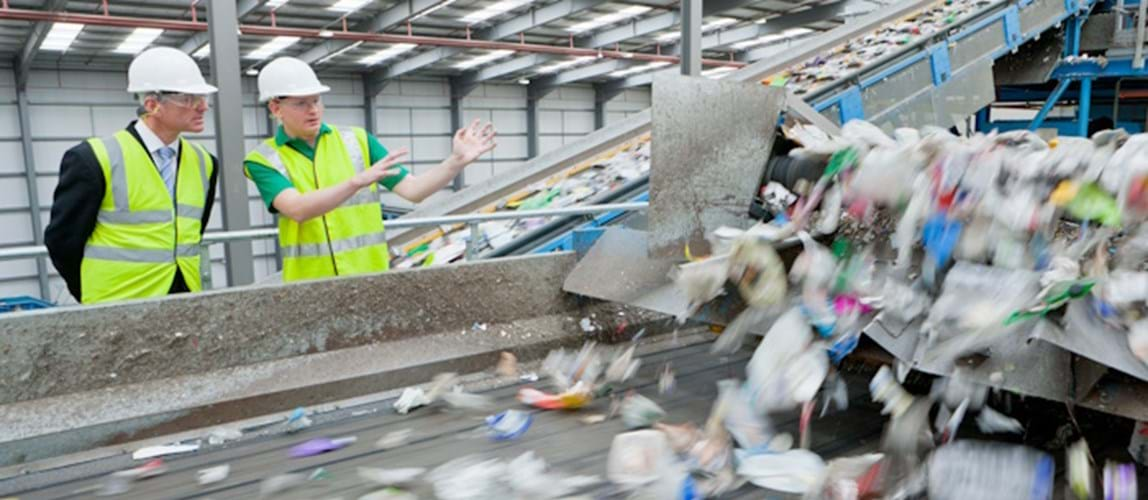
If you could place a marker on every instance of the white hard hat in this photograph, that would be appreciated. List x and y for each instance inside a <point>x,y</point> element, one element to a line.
<point>164,69</point>
<point>288,76</point>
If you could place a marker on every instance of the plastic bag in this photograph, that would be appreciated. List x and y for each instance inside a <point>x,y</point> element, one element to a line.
<point>794,471</point>
<point>766,386</point>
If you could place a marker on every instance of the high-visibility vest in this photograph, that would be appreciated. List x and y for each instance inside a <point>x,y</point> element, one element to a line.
<point>143,236</point>
<point>348,240</point>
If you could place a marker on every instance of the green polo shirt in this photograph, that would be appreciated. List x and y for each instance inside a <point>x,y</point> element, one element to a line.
<point>271,182</point>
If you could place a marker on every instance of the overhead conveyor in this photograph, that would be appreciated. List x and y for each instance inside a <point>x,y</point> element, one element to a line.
<point>928,79</point>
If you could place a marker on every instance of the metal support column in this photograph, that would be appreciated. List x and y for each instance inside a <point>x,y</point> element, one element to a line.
<point>599,115</point>
<point>370,104</point>
<point>532,148</point>
<point>223,32</point>
<point>1084,107</point>
<point>1072,34</point>
<point>600,100</point>
<point>33,190</point>
<point>457,94</point>
<point>1138,51</point>
<point>691,39</point>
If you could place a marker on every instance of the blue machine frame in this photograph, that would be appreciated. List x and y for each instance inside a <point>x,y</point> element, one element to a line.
<point>850,98</point>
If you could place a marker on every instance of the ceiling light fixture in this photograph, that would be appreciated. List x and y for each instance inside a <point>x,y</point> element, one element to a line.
<point>483,59</point>
<point>607,19</point>
<point>494,9</point>
<point>348,6</point>
<point>773,38</point>
<point>138,40</point>
<point>271,47</point>
<point>569,63</point>
<point>429,11</point>
<point>387,53</point>
<point>639,69</point>
<point>706,28</point>
<point>61,35</point>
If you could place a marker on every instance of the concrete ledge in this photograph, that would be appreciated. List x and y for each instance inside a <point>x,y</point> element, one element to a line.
<point>56,352</point>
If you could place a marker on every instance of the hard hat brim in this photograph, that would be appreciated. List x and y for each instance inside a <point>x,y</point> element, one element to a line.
<point>201,88</point>
<point>321,89</point>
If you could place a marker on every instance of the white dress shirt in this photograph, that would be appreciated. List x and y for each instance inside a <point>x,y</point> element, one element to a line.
<point>153,143</point>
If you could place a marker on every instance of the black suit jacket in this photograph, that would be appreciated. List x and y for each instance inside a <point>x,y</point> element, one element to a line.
<point>76,204</point>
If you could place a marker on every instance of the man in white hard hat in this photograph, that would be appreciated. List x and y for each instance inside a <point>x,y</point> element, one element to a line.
<point>130,209</point>
<point>323,180</point>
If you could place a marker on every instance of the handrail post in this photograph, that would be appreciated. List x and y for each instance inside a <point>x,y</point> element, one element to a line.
<point>472,241</point>
<point>205,264</point>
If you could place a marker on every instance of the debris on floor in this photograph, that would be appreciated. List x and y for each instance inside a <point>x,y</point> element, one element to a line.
<point>212,475</point>
<point>164,450</point>
<point>510,424</point>
<point>391,477</point>
<point>393,439</point>
<point>319,446</point>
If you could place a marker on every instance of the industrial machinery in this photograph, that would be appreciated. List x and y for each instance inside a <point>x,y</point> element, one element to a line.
<point>83,389</point>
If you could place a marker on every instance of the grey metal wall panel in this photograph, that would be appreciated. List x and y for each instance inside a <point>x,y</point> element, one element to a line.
<point>917,111</point>
<point>965,93</point>
<point>1039,14</point>
<point>976,46</point>
<point>894,89</point>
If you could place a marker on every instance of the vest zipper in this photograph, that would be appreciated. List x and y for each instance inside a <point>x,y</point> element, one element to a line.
<point>175,213</point>
<point>326,230</point>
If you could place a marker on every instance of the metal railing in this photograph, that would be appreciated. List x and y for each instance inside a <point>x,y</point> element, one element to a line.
<point>472,222</point>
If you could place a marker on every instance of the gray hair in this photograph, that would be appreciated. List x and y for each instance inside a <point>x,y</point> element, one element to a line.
<point>142,97</point>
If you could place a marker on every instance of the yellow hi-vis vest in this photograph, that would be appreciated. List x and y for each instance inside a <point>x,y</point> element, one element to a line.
<point>348,240</point>
<point>142,236</point>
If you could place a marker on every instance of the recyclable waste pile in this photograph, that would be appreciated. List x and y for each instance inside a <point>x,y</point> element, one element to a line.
<point>975,239</point>
<point>861,52</point>
<point>576,185</point>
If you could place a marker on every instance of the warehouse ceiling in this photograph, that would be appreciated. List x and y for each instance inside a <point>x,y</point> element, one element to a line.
<point>609,40</point>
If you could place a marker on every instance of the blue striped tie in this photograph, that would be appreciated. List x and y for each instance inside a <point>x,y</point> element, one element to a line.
<point>167,168</point>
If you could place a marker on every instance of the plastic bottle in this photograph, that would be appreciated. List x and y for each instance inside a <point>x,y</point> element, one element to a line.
<point>978,469</point>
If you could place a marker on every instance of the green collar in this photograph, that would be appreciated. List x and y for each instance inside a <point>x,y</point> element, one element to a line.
<point>282,138</point>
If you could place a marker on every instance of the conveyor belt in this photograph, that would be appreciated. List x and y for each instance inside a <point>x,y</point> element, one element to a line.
<point>926,81</point>
<point>440,435</point>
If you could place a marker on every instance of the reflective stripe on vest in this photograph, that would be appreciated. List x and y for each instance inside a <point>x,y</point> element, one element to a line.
<point>122,214</point>
<point>151,256</point>
<point>349,239</point>
<point>361,197</point>
<point>364,196</point>
<point>145,234</point>
<point>344,245</point>
<point>268,151</point>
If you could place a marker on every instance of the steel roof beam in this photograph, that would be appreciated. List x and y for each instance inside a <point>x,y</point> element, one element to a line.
<point>386,19</point>
<point>198,40</point>
<point>32,45</point>
<point>519,24</point>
